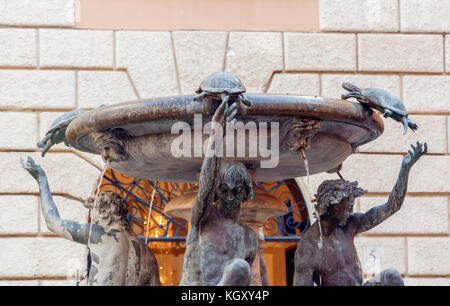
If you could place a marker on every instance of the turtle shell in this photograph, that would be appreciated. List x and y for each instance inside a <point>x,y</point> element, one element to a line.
<point>65,119</point>
<point>384,100</point>
<point>220,82</point>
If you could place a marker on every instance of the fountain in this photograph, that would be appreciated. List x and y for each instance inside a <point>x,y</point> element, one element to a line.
<point>337,128</point>
<point>278,137</point>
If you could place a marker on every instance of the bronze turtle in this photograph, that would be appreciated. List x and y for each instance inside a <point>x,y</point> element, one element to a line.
<point>57,131</point>
<point>383,101</point>
<point>222,86</point>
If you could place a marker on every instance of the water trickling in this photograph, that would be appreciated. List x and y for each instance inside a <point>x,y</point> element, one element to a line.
<point>95,200</point>
<point>320,243</point>
<point>305,160</point>
<point>150,211</point>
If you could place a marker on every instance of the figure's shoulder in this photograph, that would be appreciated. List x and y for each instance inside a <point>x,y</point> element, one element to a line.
<point>306,247</point>
<point>353,222</point>
<point>309,238</point>
<point>312,230</point>
<point>137,245</point>
<point>248,231</point>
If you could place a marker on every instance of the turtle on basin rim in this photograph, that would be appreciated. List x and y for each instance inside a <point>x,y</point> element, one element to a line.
<point>222,86</point>
<point>383,101</point>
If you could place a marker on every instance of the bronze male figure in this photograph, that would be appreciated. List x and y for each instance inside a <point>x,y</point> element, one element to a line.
<point>118,257</point>
<point>326,254</point>
<point>219,249</point>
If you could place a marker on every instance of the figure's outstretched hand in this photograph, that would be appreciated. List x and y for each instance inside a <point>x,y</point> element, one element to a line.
<point>413,156</point>
<point>225,113</point>
<point>34,169</point>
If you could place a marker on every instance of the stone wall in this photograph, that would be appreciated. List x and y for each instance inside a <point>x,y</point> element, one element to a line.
<point>48,66</point>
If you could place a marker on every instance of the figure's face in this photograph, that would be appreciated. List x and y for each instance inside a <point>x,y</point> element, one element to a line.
<point>341,212</point>
<point>295,139</point>
<point>104,209</point>
<point>231,195</point>
<point>113,152</point>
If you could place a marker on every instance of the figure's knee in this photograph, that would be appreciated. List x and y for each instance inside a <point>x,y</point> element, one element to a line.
<point>240,269</point>
<point>237,273</point>
<point>388,277</point>
<point>392,278</point>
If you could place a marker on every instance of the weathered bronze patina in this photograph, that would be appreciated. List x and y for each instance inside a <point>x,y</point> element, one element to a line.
<point>220,249</point>
<point>383,101</point>
<point>326,254</point>
<point>222,245</point>
<point>119,258</point>
<point>254,213</point>
<point>344,126</point>
<point>221,85</point>
<point>57,131</point>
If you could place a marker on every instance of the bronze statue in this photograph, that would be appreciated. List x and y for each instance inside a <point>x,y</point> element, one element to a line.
<point>383,101</point>
<point>326,254</point>
<point>219,249</point>
<point>57,131</point>
<point>220,86</point>
<point>118,257</point>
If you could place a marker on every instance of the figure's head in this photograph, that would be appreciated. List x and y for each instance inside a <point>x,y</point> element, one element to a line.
<point>235,185</point>
<point>113,144</point>
<point>110,209</point>
<point>298,133</point>
<point>335,198</point>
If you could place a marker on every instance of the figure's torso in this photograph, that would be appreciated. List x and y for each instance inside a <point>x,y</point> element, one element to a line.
<point>336,260</point>
<point>109,258</point>
<point>119,259</point>
<point>217,240</point>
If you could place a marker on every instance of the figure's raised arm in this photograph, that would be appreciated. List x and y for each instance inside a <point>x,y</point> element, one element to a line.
<point>64,228</point>
<point>209,173</point>
<point>378,214</point>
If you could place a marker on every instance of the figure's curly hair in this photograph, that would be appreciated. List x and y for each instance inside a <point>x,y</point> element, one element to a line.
<point>232,171</point>
<point>332,192</point>
<point>116,205</point>
<point>120,210</point>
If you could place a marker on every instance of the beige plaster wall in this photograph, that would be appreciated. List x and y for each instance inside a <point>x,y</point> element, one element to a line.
<point>251,15</point>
